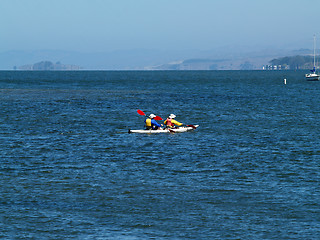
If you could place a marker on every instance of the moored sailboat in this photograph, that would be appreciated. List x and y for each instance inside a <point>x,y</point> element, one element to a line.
<point>313,76</point>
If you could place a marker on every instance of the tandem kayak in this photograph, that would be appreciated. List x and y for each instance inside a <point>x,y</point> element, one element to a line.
<point>168,130</point>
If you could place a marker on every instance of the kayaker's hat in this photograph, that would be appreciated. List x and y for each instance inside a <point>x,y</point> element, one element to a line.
<point>152,116</point>
<point>172,115</point>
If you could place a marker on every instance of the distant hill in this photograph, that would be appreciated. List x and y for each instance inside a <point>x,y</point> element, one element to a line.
<point>295,62</point>
<point>226,58</point>
<point>191,64</point>
<point>138,59</point>
<point>212,64</point>
<point>49,66</point>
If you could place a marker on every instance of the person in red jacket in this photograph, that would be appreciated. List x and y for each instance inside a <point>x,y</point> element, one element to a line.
<point>170,122</point>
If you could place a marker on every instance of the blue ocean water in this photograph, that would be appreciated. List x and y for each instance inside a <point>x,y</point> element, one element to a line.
<point>70,170</point>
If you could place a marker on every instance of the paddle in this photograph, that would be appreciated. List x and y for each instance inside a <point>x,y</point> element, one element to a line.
<point>140,112</point>
<point>143,114</point>
<point>194,127</point>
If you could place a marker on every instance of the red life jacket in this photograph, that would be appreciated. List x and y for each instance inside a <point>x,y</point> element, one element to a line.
<point>169,123</point>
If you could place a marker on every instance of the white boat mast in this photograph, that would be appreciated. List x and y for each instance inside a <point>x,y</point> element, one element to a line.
<point>314,52</point>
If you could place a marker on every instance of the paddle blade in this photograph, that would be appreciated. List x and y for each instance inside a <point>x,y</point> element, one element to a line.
<point>158,118</point>
<point>194,127</point>
<point>140,112</point>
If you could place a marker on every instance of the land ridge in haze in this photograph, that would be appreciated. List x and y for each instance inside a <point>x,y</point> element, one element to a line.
<point>148,59</point>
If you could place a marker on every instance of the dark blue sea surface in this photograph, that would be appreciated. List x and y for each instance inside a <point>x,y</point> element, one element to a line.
<point>70,169</point>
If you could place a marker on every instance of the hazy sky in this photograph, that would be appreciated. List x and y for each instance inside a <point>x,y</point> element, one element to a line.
<point>106,25</point>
